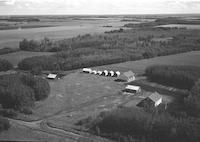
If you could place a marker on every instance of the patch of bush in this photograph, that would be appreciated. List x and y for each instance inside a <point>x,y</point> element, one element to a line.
<point>5,65</point>
<point>183,77</point>
<point>19,91</point>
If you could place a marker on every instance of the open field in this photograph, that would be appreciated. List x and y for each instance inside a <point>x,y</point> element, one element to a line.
<point>16,57</point>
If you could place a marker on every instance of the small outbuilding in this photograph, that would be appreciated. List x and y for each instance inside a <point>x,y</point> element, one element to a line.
<point>155,99</point>
<point>87,70</point>
<point>105,73</point>
<point>52,76</point>
<point>94,72</point>
<point>127,76</point>
<point>117,73</point>
<point>132,89</point>
<point>111,73</point>
<point>99,72</point>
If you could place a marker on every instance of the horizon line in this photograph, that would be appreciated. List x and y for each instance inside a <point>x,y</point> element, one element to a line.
<point>98,14</point>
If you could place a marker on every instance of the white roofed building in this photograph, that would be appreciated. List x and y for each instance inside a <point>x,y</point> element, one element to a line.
<point>87,70</point>
<point>105,73</point>
<point>112,73</point>
<point>132,89</point>
<point>52,76</point>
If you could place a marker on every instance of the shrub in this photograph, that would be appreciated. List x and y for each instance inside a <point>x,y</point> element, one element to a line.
<point>5,65</point>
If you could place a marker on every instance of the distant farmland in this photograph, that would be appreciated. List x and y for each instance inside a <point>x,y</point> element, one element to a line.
<point>58,30</point>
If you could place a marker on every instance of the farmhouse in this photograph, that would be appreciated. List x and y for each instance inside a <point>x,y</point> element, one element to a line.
<point>127,76</point>
<point>87,70</point>
<point>132,89</point>
<point>52,76</point>
<point>155,99</point>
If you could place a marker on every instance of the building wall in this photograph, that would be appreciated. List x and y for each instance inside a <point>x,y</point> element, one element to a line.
<point>158,102</point>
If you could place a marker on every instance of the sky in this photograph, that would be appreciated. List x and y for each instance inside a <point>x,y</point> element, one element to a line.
<point>98,7</point>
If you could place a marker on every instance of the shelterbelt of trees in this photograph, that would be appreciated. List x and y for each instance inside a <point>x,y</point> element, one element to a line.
<point>179,122</point>
<point>93,50</point>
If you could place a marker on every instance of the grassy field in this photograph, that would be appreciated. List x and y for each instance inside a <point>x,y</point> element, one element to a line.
<point>16,57</point>
<point>189,58</point>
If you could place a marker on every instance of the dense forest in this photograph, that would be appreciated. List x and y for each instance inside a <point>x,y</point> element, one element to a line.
<point>93,50</point>
<point>179,122</point>
<point>183,77</point>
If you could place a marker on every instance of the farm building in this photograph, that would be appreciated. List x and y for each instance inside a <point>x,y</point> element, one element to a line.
<point>52,76</point>
<point>99,72</point>
<point>112,73</point>
<point>132,89</point>
<point>87,70</point>
<point>155,99</point>
<point>105,73</point>
<point>127,76</point>
<point>117,73</point>
<point>94,72</point>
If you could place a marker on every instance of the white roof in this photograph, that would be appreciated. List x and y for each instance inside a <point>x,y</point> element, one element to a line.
<point>87,69</point>
<point>53,76</point>
<point>118,73</point>
<point>131,87</point>
<point>112,73</point>
<point>100,72</point>
<point>94,71</point>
